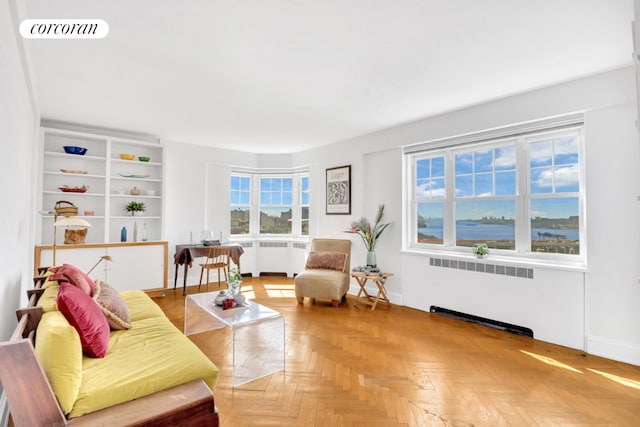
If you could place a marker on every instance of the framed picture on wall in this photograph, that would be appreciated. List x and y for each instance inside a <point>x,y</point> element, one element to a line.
<point>339,190</point>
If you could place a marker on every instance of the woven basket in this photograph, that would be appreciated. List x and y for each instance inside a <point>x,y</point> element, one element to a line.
<point>66,210</point>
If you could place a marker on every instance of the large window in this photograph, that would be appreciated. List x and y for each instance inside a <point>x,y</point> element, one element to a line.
<point>275,205</point>
<point>521,193</point>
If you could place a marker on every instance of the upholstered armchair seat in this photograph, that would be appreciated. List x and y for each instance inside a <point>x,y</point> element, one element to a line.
<point>325,283</point>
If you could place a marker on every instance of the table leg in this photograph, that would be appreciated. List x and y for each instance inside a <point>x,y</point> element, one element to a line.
<point>175,279</point>
<point>184,280</point>
<point>382,292</point>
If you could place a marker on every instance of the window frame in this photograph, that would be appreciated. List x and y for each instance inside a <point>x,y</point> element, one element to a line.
<point>255,206</point>
<point>523,135</point>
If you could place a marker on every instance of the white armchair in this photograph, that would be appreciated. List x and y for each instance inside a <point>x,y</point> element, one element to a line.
<point>327,271</point>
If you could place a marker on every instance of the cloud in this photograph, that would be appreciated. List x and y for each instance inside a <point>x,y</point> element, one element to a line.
<point>566,176</point>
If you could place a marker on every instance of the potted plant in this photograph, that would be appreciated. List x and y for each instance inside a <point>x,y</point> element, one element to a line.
<point>234,281</point>
<point>481,250</point>
<point>369,234</point>
<point>136,208</point>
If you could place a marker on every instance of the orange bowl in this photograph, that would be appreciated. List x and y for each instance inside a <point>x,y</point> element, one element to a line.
<point>127,156</point>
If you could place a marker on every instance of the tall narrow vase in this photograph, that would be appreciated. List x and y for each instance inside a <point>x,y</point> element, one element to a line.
<point>371,258</point>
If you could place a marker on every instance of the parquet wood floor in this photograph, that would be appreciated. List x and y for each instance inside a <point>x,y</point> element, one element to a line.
<point>396,366</point>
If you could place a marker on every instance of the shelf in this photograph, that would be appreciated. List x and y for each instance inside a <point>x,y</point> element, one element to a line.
<point>142,196</point>
<point>135,217</point>
<point>71,175</point>
<point>126,178</point>
<point>62,193</point>
<point>135,162</point>
<point>104,177</point>
<point>73,156</point>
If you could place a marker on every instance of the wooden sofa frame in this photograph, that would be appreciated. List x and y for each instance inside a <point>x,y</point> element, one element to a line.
<point>32,401</point>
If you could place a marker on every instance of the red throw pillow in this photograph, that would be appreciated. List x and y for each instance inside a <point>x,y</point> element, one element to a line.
<point>85,315</point>
<point>328,260</point>
<point>75,276</point>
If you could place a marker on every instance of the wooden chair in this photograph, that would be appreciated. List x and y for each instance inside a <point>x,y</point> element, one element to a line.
<point>217,259</point>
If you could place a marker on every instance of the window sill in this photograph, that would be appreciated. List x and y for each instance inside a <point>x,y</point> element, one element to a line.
<point>516,261</point>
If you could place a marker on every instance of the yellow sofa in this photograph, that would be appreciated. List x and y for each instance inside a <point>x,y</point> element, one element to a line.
<point>151,357</point>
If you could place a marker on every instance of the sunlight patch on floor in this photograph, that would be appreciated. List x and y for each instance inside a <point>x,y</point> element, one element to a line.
<point>551,361</point>
<point>620,380</point>
<point>280,290</point>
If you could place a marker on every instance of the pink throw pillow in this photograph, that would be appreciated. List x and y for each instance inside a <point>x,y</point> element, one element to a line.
<point>328,260</point>
<point>75,276</point>
<point>85,315</point>
<point>112,305</point>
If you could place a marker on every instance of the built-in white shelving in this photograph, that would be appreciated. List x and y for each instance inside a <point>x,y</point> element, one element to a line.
<point>109,179</point>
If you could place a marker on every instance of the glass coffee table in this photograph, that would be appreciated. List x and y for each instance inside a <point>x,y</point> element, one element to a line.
<point>257,334</point>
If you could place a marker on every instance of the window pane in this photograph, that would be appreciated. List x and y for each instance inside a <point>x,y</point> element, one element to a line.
<point>423,168</point>
<point>541,154</point>
<point>276,199</point>
<point>275,220</point>
<point>240,221</point>
<point>464,186</point>
<point>483,161</point>
<point>305,221</point>
<point>567,179</point>
<point>437,166</point>
<point>555,225</point>
<point>245,184</point>
<point>484,185</point>
<point>566,150</point>
<point>265,184</point>
<point>265,198</point>
<point>437,188</point>
<point>287,184</point>
<point>235,182</point>
<point>505,158</point>
<point>305,183</point>
<point>287,198</point>
<point>541,181</point>
<point>430,222</point>
<point>235,198</point>
<point>486,221</point>
<point>505,184</point>
<point>244,198</point>
<point>464,163</point>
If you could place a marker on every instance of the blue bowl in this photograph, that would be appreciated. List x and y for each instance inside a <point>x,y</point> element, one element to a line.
<point>70,149</point>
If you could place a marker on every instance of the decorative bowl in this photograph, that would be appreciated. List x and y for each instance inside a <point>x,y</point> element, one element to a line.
<point>127,156</point>
<point>210,242</point>
<point>72,149</point>
<point>67,189</point>
<point>144,158</point>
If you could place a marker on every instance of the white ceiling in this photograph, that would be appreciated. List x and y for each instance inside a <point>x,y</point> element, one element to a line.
<point>280,76</point>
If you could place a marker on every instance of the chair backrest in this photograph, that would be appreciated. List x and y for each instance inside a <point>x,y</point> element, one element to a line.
<point>218,255</point>
<point>336,245</point>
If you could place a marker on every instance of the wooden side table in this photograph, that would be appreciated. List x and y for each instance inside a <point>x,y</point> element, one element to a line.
<point>368,299</point>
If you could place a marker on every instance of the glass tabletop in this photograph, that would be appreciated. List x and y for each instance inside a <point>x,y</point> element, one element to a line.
<point>247,313</point>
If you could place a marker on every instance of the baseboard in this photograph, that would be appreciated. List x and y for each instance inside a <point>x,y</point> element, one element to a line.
<point>613,349</point>
<point>4,411</point>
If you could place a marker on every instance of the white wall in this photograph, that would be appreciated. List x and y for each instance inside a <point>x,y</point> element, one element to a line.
<point>18,121</point>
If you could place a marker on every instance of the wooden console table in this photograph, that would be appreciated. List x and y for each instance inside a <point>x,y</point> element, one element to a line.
<point>367,298</point>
